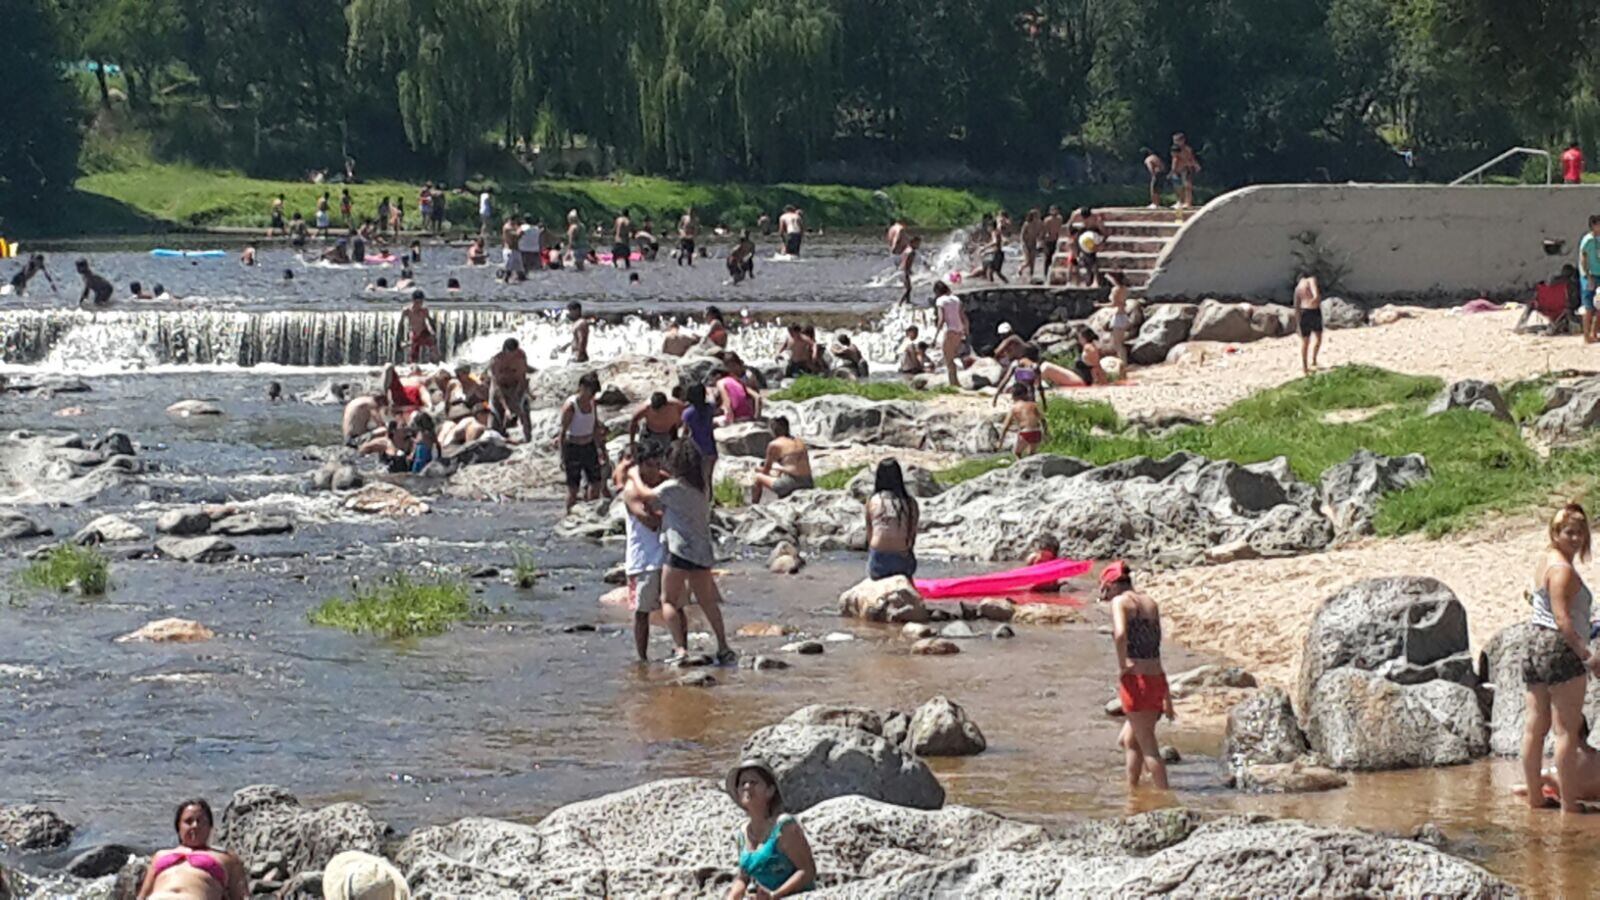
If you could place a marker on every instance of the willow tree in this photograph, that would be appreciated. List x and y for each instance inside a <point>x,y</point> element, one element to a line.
<point>39,143</point>
<point>449,77</point>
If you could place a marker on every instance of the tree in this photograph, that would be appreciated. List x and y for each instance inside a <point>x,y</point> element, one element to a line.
<point>39,143</point>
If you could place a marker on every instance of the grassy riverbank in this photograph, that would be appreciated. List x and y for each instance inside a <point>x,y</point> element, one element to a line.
<point>1479,464</point>
<point>151,196</point>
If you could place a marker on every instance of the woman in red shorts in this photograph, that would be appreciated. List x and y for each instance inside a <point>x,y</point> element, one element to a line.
<point>1142,687</point>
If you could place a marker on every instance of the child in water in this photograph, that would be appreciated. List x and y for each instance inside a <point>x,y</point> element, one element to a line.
<point>1025,417</point>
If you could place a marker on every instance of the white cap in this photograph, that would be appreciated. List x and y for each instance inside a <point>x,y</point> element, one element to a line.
<point>1005,328</point>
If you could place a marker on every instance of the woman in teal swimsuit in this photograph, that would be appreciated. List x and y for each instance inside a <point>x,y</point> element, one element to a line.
<point>774,855</point>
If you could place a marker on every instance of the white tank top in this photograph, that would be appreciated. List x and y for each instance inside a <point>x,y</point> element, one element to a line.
<point>645,551</point>
<point>582,424</point>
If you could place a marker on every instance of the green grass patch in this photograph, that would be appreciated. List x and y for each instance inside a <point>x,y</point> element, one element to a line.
<point>398,607</point>
<point>1525,399</point>
<point>808,386</point>
<point>729,493</point>
<point>69,568</point>
<point>1479,464</point>
<point>524,571</point>
<point>970,469</point>
<point>838,479</point>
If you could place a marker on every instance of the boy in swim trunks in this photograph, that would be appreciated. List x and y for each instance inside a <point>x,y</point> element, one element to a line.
<point>1025,417</point>
<point>1308,318</point>
<point>423,332</point>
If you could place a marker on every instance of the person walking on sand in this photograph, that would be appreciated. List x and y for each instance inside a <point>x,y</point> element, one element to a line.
<point>686,521</point>
<point>646,555</point>
<point>1559,658</point>
<point>1141,682</point>
<point>1308,319</point>
<point>953,322</point>
<point>1589,278</point>
<point>1156,167</point>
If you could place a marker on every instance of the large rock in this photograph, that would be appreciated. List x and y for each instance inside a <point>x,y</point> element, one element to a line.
<point>250,523</point>
<point>26,828</point>
<point>1351,490</point>
<point>841,418</point>
<point>1262,729</point>
<point>384,499</point>
<point>1166,325</point>
<point>744,439</point>
<point>1478,396</point>
<point>196,549</point>
<point>264,819</point>
<point>336,476</point>
<point>184,409</point>
<point>15,526</point>
<point>1570,410</point>
<point>1272,320</point>
<point>893,600</point>
<point>856,717</point>
<point>940,727</point>
<point>1287,778</point>
<point>183,522</point>
<point>818,762</point>
<point>1339,313</point>
<point>108,530</point>
<point>1226,322</point>
<point>920,483</point>
<point>1406,629</point>
<point>1357,719</point>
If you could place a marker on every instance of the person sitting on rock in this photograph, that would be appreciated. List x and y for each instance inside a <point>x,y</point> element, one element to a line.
<point>363,418</point>
<point>193,870</point>
<point>847,356</point>
<point>739,403</point>
<point>774,856</point>
<point>788,457</point>
<point>676,341</point>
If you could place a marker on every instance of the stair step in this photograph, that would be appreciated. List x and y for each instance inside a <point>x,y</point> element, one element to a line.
<point>1144,214</point>
<point>1117,243</point>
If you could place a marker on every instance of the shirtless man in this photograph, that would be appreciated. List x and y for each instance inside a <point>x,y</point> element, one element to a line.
<point>688,230</point>
<point>34,266</point>
<point>508,387</point>
<point>469,389</point>
<point>742,258</point>
<point>898,237</point>
<point>791,229</point>
<point>510,235</point>
<point>481,422</point>
<point>1154,165</point>
<point>660,419</point>
<point>580,332</point>
<point>363,416</point>
<point>424,332</point>
<point>1186,166</point>
<point>1026,419</point>
<point>393,445</point>
<point>622,241</point>
<point>913,354</point>
<point>848,356</point>
<point>677,342</point>
<point>339,253</point>
<point>787,456</point>
<point>1308,319</point>
<point>93,284</point>
<point>908,264</point>
<point>1049,237</point>
<point>1032,228</point>
<point>802,352</point>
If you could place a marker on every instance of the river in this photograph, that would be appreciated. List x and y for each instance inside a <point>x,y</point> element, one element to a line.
<point>523,708</point>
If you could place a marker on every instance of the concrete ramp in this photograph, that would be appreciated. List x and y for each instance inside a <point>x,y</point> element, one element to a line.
<point>1416,243</point>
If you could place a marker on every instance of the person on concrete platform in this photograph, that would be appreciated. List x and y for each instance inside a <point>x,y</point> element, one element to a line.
<point>1572,164</point>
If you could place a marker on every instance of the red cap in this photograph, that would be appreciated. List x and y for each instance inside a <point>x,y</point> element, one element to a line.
<point>1113,573</point>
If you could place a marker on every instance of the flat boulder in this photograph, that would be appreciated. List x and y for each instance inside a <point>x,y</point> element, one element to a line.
<point>15,526</point>
<point>941,727</point>
<point>814,763</point>
<point>893,600</point>
<point>1339,314</point>
<point>28,828</point>
<point>206,549</point>
<point>1357,719</point>
<point>183,522</point>
<point>1210,677</point>
<point>337,476</point>
<point>169,631</point>
<point>1406,629</point>
<point>1570,411</point>
<point>384,499</point>
<point>108,530</point>
<point>1166,325</point>
<point>856,717</point>
<point>1471,394</point>
<point>1262,729</point>
<point>250,523</point>
<point>1352,489</point>
<point>1287,778</point>
<point>264,821</point>
<point>185,409</point>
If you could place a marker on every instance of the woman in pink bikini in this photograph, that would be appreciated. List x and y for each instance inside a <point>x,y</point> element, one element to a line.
<point>192,870</point>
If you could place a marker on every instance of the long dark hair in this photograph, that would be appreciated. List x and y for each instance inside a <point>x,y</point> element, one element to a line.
<point>686,464</point>
<point>695,396</point>
<point>177,817</point>
<point>890,480</point>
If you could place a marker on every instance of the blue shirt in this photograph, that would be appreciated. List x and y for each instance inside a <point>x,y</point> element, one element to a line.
<point>421,457</point>
<point>1589,252</point>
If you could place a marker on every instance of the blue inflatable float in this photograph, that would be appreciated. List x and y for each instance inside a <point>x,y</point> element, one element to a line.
<point>164,253</point>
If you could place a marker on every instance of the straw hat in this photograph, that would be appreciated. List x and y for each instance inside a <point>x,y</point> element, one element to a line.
<point>732,781</point>
<point>353,875</point>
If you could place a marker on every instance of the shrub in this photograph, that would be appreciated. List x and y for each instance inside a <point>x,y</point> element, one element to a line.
<point>69,568</point>
<point>398,607</point>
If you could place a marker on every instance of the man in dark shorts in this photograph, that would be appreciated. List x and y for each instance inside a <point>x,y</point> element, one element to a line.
<point>1308,318</point>
<point>688,228</point>
<point>93,284</point>
<point>581,439</point>
<point>34,266</point>
<point>622,242</point>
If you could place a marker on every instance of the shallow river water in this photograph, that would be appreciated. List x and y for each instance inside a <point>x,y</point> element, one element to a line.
<point>515,713</point>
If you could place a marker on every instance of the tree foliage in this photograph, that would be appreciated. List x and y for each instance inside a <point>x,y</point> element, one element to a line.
<point>39,141</point>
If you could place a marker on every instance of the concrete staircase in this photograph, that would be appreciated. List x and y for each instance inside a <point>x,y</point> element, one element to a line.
<point>1134,243</point>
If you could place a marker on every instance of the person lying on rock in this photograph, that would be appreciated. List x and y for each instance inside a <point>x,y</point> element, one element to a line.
<point>774,856</point>
<point>192,870</point>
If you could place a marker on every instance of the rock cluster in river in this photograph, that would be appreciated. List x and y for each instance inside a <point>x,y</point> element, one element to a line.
<point>67,470</point>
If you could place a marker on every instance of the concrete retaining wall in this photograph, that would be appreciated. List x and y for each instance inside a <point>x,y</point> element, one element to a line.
<point>1405,242</point>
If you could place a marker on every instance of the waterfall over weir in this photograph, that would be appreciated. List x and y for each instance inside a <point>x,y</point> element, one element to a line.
<point>107,341</point>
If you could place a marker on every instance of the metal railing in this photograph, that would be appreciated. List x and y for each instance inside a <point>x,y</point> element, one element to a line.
<point>1549,166</point>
